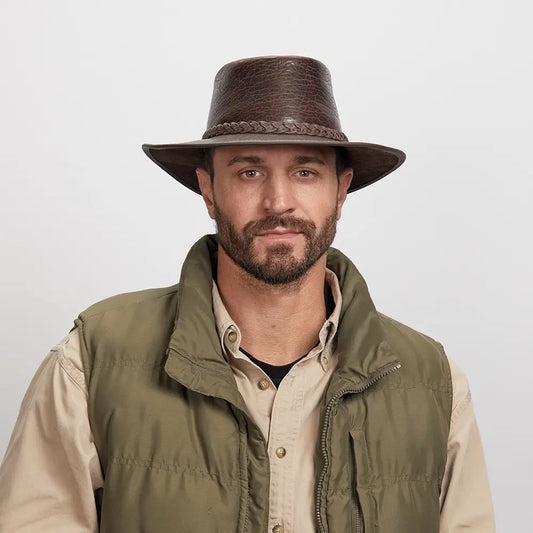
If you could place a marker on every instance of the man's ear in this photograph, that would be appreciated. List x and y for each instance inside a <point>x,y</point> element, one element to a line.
<point>344,183</point>
<point>206,186</point>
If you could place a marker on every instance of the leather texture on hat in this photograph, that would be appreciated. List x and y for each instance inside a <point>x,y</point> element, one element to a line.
<point>274,100</point>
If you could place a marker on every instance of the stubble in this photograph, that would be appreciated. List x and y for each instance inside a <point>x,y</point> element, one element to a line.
<point>279,266</point>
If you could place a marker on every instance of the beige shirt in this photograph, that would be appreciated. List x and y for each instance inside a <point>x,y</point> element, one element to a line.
<point>51,467</point>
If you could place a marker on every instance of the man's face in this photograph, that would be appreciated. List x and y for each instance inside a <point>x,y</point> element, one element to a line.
<point>275,206</point>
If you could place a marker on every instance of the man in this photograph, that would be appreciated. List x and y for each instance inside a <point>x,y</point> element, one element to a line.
<point>264,392</point>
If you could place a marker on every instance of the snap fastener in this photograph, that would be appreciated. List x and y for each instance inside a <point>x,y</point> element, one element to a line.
<point>281,452</point>
<point>263,384</point>
<point>278,529</point>
<point>232,336</point>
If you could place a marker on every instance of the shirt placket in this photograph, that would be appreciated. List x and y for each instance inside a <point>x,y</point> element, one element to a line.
<point>285,427</point>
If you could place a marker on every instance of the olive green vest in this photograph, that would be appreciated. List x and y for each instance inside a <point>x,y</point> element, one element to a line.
<point>180,453</point>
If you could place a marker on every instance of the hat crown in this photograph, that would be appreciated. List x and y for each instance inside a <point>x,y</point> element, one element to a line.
<point>274,100</point>
<point>290,90</point>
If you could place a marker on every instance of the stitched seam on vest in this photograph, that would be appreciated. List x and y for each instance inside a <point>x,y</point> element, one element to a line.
<point>342,492</point>
<point>411,385</point>
<point>128,304</point>
<point>167,466</point>
<point>387,482</point>
<point>123,362</point>
<point>423,479</point>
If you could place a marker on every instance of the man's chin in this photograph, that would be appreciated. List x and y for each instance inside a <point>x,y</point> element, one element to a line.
<point>278,255</point>
<point>266,250</point>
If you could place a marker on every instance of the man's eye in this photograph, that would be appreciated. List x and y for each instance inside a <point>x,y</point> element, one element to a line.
<point>249,173</point>
<point>305,173</point>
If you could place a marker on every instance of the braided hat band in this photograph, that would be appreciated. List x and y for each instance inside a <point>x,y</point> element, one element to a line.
<point>263,126</point>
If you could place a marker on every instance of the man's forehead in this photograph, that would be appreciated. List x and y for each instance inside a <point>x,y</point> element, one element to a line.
<point>264,153</point>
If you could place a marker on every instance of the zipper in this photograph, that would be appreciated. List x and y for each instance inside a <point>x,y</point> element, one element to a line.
<point>361,387</point>
<point>357,522</point>
<point>356,516</point>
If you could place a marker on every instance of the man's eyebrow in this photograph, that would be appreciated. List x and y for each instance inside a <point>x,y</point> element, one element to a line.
<point>303,159</point>
<point>245,159</point>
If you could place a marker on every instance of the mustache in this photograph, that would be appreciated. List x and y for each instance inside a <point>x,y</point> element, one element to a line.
<point>276,221</point>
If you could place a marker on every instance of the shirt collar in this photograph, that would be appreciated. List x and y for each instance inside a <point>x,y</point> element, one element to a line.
<point>230,334</point>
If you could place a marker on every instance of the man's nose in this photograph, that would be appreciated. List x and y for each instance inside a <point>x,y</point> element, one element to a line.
<point>278,197</point>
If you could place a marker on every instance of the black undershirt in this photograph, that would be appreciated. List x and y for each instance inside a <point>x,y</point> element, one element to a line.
<point>277,372</point>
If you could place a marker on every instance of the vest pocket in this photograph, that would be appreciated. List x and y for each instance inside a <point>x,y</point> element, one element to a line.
<point>357,515</point>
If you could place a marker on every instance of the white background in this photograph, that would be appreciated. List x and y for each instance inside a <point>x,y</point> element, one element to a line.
<point>444,242</point>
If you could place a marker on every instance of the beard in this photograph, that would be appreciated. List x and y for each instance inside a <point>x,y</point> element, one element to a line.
<point>280,266</point>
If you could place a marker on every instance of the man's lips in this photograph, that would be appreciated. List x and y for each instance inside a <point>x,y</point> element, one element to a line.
<point>280,233</point>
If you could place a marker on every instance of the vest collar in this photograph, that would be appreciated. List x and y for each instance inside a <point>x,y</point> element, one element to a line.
<point>362,347</point>
<point>194,353</point>
<point>195,356</point>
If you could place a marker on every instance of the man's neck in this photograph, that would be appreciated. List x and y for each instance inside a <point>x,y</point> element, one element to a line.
<point>278,323</point>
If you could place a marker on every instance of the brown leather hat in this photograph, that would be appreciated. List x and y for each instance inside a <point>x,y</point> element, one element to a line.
<point>274,100</point>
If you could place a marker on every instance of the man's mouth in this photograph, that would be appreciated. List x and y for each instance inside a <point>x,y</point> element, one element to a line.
<point>279,233</point>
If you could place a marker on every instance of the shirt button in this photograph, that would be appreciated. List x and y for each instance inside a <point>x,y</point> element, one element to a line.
<point>325,360</point>
<point>263,384</point>
<point>232,336</point>
<point>281,452</point>
<point>278,529</point>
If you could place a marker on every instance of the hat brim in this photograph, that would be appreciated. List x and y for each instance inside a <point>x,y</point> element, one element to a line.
<point>370,162</point>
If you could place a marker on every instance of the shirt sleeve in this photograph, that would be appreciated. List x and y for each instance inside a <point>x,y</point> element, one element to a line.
<point>466,503</point>
<point>51,467</point>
